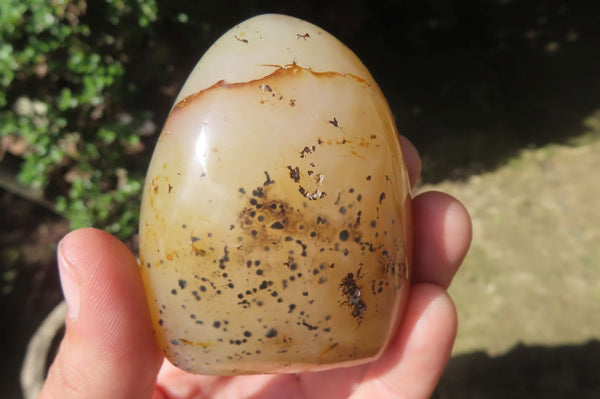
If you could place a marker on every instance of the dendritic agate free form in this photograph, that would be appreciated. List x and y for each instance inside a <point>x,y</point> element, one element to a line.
<point>275,224</point>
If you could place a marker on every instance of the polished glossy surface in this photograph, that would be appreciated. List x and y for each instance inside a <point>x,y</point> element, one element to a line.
<point>275,225</point>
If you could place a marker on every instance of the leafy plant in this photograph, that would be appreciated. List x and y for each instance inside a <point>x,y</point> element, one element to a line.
<point>64,95</point>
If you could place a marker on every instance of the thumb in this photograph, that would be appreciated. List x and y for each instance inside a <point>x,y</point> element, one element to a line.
<point>108,350</point>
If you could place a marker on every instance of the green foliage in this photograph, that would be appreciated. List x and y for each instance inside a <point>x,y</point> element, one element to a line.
<point>64,92</point>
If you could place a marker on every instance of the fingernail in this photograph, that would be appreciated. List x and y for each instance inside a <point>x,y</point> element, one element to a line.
<point>69,284</point>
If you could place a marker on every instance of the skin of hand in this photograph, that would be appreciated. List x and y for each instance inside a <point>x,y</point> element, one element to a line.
<point>109,350</point>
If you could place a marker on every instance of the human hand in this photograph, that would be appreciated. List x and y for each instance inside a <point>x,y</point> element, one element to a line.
<point>109,350</point>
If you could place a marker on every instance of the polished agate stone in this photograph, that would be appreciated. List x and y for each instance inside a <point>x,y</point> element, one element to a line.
<point>275,229</point>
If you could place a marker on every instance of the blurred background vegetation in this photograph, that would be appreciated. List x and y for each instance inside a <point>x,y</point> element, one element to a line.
<point>70,122</point>
<point>85,86</point>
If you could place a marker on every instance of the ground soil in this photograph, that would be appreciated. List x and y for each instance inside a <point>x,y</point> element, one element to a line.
<point>528,294</point>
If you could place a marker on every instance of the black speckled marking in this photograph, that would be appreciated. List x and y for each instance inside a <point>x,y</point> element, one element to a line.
<point>224,259</point>
<point>294,173</point>
<point>344,234</point>
<point>271,333</point>
<point>313,247</point>
<point>351,292</point>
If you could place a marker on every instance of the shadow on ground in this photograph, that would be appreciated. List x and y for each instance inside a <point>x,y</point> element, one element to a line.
<point>532,372</point>
<point>472,83</point>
